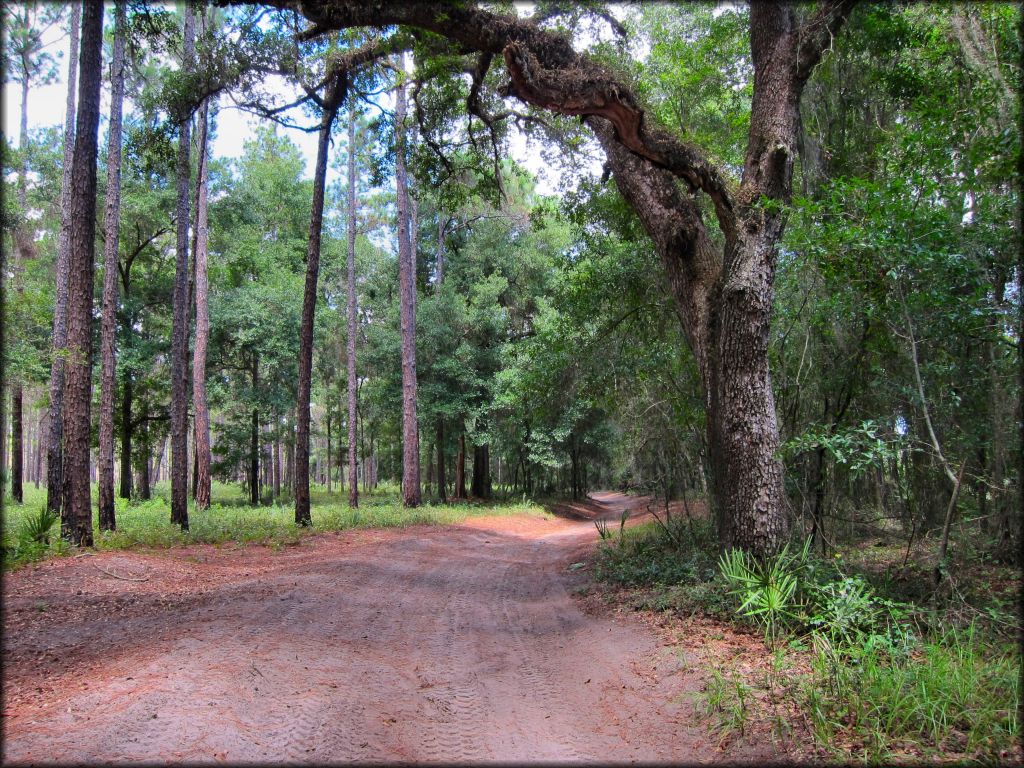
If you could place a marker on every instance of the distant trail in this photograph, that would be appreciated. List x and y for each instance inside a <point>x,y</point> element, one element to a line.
<point>427,644</point>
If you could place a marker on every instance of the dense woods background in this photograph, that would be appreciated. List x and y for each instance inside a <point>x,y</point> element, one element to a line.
<point>548,354</point>
<point>759,267</point>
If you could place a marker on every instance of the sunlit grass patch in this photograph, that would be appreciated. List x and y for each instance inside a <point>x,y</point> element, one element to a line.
<point>231,519</point>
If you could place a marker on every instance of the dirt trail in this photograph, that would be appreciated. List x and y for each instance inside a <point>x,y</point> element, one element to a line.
<point>436,644</point>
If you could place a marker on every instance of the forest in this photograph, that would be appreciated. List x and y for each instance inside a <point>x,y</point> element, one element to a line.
<point>752,272</point>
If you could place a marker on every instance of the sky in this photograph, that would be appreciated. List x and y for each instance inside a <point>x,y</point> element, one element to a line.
<point>46,108</point>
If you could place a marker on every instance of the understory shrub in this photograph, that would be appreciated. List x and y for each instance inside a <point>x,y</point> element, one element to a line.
<point>886,681</point>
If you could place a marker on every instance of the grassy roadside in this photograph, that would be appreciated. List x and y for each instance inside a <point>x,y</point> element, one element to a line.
<point>231,519</point>
<point>840,659</point>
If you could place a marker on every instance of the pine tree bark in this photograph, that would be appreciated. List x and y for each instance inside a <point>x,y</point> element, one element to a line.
<point>353,484</point>
<point>180,321</point>
<point>202,484</point>
<point>21,249</point>
<point>254,440</point>
<point>407,305</point>
<point>108,330</point>
<point>55,439</point>
<point>329,109</point>
<point>77,506</point>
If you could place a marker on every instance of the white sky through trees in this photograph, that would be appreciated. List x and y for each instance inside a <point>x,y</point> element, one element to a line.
<point>234,127</point>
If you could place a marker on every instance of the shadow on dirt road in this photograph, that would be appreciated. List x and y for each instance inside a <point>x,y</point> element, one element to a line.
<point>429,643</point>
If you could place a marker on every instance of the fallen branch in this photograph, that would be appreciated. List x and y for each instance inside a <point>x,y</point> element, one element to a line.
<point>122,578</point>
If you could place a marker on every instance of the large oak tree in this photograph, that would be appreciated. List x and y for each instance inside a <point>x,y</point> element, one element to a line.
<point>723,292</point>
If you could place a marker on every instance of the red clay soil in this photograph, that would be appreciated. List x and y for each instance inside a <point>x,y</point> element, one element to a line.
<point>423,644</point>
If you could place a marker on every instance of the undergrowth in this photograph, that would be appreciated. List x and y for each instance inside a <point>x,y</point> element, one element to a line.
<point>229,519</point>
<point>887,679</point>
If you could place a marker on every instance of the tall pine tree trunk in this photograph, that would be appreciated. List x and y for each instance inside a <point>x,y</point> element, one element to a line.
<point>201,427</point>
<point>77,506</point>
<point>55,439</point>
<point>407,306</point>
<point>353,484</point>
<point>180,322</point>
<point>332,99</point>
<point>254,440</point>
<point>22,248</point>
<point>108,331</point>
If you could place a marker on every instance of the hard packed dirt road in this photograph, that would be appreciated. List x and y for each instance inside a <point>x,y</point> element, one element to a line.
<point>426,644</point>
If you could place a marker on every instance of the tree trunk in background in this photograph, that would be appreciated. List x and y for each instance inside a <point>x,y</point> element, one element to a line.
<point>108,331</point>
<point>22,251</point>
<point>332,99</point>
<point>144,489</point>
<point>126,437</point>
<point>460,469</point>
<point>277,460</point>
<point>202,484</point>
<point>481,486</point>
<point>179,334</point>
<point>353,484</point>
<point>329,465</point>
<point>289,462</point>
<point>254,440</point>
<point>17,440</point>
<point>442,490</point>
<point>407,305</point>
<point>41,431</point>
<point>76,515</point>
<point>55,439</point>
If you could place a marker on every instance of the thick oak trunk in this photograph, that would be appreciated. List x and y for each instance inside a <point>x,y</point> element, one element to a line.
<point>180,321</point>
<point>76,515</point>
<point>108,330</point>
<point>407,305</point>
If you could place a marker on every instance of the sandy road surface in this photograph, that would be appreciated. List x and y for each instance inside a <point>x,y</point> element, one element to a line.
<point>451,644</point>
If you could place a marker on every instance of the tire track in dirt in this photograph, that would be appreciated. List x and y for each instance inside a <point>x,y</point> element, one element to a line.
<point>456,701</point>
<point>533,670</point>
<point>444,644</point>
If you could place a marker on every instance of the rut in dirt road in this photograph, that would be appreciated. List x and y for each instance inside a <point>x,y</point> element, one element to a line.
<point>435,644</point>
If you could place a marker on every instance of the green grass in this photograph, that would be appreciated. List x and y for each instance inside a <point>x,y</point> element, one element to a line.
<point>879,689</point>
<point>953,696</point>
<point>231,519</point>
